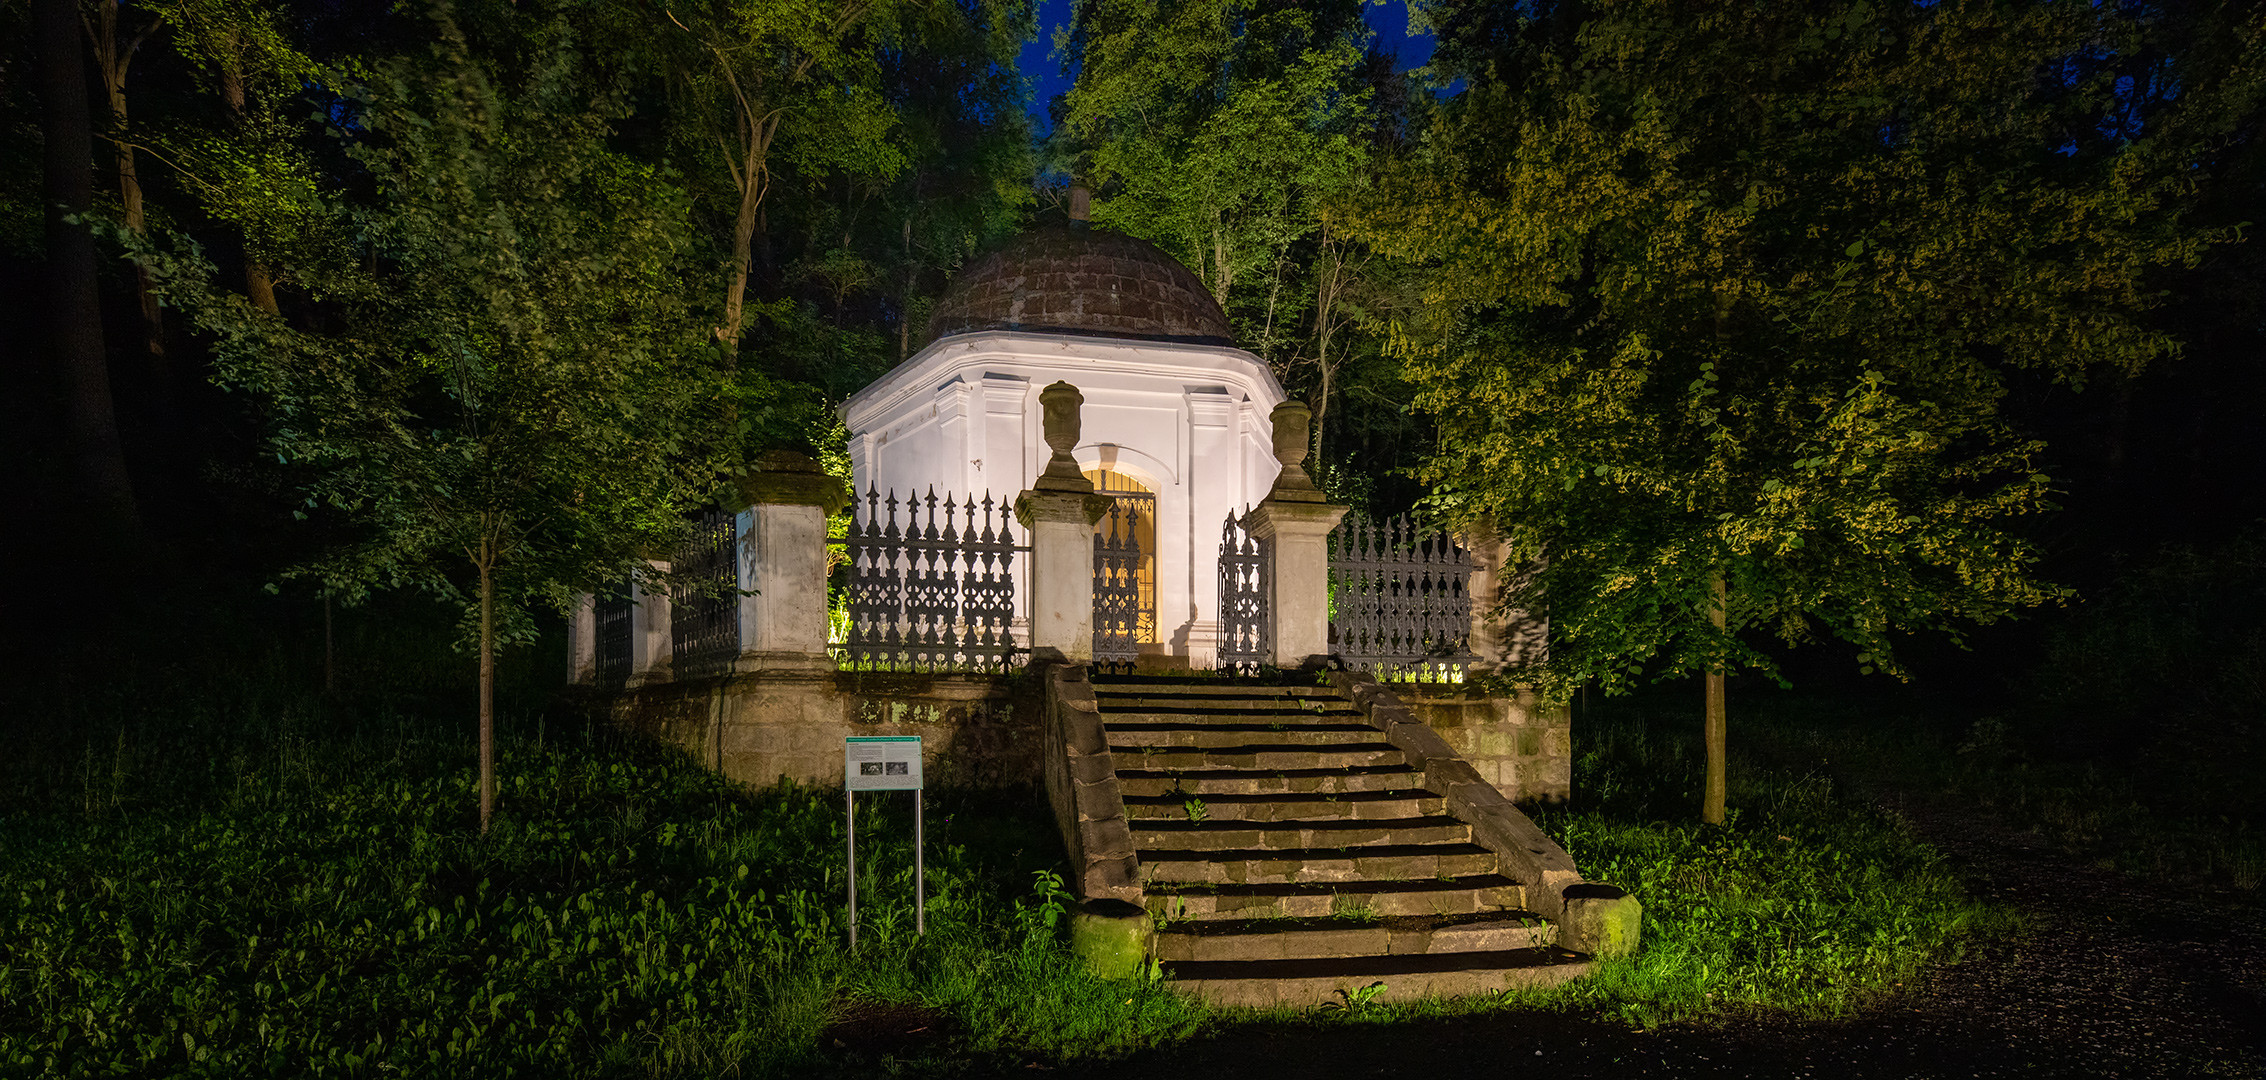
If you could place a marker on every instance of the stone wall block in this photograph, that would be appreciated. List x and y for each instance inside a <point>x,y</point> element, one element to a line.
<point>1112,879</point>
<point>1109,838</point>
<point>1085,734</point>
<point>1092,768</point>
<point>1475,798</point>
<point>1098,793</point>
<point>1444,773</point>
<point>1503,773</point>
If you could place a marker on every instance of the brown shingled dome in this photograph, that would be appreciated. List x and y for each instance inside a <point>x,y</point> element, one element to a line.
<point>1080,281</point>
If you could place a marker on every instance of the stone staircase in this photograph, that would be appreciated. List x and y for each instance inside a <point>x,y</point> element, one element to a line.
<point>1294,856</point>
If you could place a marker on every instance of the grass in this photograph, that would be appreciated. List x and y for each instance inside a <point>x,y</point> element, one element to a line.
<point>235,878</point>
<point>329,911</point>
<point>2145,817</point>
<point>1807,905</point>
<point>1806,902</point>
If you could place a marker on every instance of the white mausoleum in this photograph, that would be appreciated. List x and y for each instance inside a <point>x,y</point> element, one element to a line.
<point>1174,424</point>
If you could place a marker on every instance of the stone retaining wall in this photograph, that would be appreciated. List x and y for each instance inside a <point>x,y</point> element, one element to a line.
<point>1523,749</point>
<point>759,728</point>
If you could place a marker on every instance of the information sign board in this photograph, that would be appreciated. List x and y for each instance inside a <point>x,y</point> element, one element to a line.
<point>881,763</point>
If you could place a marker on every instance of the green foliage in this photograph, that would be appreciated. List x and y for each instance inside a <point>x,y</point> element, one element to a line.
<point>1735,294</point>
<point>1806,902</point>
<point>328,909</point>
<point>510,383</point>
<point>1221,131</point>
<point>1178,130</point>
<point>844,101</point>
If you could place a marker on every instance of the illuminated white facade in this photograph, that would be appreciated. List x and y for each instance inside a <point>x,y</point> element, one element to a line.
<point>1188,422</point>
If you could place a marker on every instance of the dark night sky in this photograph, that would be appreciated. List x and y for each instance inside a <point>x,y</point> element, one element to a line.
<point>1389,20</point>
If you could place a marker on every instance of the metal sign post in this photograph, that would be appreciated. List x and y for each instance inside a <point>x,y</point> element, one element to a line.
<point>884,763</point>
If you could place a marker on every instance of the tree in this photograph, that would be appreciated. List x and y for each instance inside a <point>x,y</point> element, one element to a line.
<point>1215,129</point>
<point>114,58</point>
<point>251,172</point>
<point>1721,304</point>
<point>508,398</point>
<point>74,313</point>
<point>1220,130</point>
<point>754,66</point>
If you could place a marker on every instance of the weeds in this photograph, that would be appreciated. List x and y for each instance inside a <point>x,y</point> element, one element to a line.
<point>327,907</point>
<point>234,881</point>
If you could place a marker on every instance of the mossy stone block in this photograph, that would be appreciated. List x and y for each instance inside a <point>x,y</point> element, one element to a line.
<point>1112,938</point>
<point>1600,920</point>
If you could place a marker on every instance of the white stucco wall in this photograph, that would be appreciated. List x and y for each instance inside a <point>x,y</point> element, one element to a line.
<point>1189,421</point>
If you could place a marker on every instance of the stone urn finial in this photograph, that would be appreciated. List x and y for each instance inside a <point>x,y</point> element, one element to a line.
<point>1294,424</point>
<point>1059,404</point>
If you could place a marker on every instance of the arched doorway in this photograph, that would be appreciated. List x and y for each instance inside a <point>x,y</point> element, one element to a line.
<point>1125,585</point>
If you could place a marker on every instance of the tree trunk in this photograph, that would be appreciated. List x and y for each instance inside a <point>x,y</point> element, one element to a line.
<point>487,691</point>
<point>754,182</point>
<point>1711,804</point>
<point>115,58</point>
<point>905,308</point>
<point>74,312</point>
<point>1328,282</point>
<point>259,285</point>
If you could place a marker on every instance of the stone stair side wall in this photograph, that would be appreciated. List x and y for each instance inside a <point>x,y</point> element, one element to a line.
<point>1523,851</point>
<point>1081,786</point>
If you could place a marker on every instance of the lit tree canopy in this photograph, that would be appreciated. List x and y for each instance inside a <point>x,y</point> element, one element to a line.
<point>1720,305</point>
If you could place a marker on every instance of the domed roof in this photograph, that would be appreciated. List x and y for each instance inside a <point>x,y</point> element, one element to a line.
<point>1080,281</point>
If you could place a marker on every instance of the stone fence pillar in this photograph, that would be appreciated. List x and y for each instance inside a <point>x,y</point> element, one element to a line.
<point>1502,638</point>
<point>582,642</point>
<point>782,562</point>
<point>1298,518</point>
<point>1058,513</point>
<point>650,614</point>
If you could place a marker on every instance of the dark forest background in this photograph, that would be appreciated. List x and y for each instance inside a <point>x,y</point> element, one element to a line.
<point>147,512</point>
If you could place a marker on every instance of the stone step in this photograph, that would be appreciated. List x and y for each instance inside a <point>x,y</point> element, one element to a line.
<point>1357,805</point>
<point>1136,782</point>
<point>1375,863</point>
<point>1175,902</point>
<point>1264,984</point>
<point>1310,939</point>
<point>1229,735</point>
<point>1255,755</point>
<point>1165,706</point>
<point>1166,685</point>
<point>1186,834</point>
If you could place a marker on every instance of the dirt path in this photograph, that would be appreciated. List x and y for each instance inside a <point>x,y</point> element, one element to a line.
<point>2110,980</point>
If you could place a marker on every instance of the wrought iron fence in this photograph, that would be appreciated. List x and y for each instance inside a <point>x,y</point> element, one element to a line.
<point>614,612</point>
<point>1400,599</point>
<point>704,606</point>
<point>1247,628</point>
<point>935,592</point>
<point>1124,596</point>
